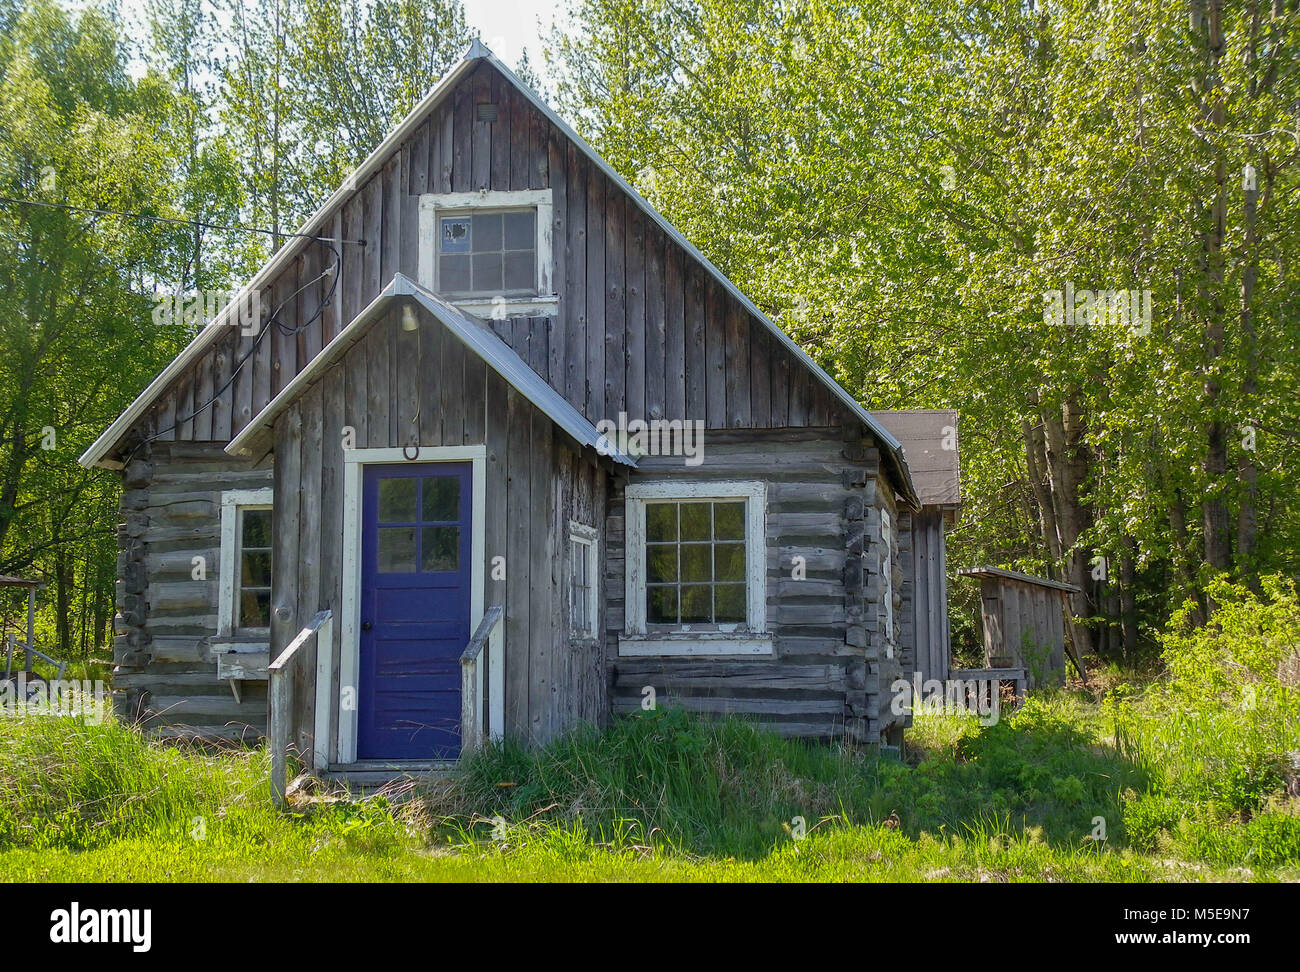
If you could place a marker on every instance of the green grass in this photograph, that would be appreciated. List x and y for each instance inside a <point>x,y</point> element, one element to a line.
<point>658,797</point>
<point>1181,777</point>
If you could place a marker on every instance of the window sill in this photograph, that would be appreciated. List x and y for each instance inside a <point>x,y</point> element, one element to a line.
<point>696,643</point>
<point>490,309</point>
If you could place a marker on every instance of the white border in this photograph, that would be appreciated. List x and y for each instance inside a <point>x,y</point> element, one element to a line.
<point>354,462</point>
<point>232,500</point>
<point>753,638</point>
<point>539,199</point>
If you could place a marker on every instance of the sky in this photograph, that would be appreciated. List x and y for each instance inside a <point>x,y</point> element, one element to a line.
<point>508,27</point>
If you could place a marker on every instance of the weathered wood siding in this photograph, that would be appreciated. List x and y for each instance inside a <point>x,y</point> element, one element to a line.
<point>829,673</point>
<point>1024,627</point>
<point>165,673</point>
<point>640,326</point>
<point>929,583</point>
<point>393,385</point>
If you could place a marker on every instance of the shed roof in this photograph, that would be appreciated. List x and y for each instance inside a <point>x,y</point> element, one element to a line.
<point>929,440</point>
<point>496,353</point>
<point>1002,573</point>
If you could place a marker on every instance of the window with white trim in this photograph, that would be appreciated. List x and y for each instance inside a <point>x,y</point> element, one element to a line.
<point>696,569</point>
<point>244,606</point>
<point>490,252</point>
<point>583,588</point>
<point>887,577</point>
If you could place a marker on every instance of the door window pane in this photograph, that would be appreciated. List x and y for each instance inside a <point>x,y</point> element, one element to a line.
<point>441,500</point>
<point>440,548</point>
<point>397,550</point>
<point>396,500</point>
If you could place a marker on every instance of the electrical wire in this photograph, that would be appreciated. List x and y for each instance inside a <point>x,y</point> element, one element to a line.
<point>130,214</point>
<point>272,320</point>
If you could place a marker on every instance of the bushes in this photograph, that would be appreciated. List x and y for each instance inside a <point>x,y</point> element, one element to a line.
<point>1215,734</point>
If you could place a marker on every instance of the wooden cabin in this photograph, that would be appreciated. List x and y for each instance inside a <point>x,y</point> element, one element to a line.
<point>422,480</point>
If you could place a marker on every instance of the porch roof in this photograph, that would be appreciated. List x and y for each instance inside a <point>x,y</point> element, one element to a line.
<point>498,356</point>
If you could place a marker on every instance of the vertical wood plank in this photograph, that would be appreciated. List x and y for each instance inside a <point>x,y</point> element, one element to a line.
<point>656,338</point>
<point>615,304</point>
<point>779,402</point>
<point>715,350</point>
<point>452,380</point>
<point>518,141</point>
<point>759,377</point>
<point>221,408</point>
<point>518,517</point>
<point>736,350</point>
<point>202,396</point>
<point>500,133</point>
<point>446,148</point>
<point>462,137</point>
<point>308,555</point>
<point>697,366</point>
<point>635,341</point>
<point>433,381</point>
<point>481,139</point>
<point>574,298</point>
<point>542,583</point>
<point>596,182</point>
<point>559,346</point>
<point>376,346</point>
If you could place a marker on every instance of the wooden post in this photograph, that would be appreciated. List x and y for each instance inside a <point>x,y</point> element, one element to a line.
<point>31,630</point>
<point>281,693</point>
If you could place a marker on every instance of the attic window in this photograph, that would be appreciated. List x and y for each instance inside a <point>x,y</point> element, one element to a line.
<point>489,251</point>
<point>486,111</point>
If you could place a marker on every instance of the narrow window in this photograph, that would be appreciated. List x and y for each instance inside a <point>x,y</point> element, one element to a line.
<point>887,577</point>
<point>583,609</point>
<point>244,577</point>
<point>254,580</point>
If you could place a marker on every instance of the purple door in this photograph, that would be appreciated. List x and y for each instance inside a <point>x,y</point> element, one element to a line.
<point>415,601</point>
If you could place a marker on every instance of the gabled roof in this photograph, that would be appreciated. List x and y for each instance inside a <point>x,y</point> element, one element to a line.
<point>495,353</point>
<point>929,439</point>
<point>477,52</point>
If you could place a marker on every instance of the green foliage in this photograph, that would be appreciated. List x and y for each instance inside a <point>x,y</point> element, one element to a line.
<point>900,184</point>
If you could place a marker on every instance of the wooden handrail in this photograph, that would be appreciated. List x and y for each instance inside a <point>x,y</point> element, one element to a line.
<point>471,676</point>
<point>281,692</point>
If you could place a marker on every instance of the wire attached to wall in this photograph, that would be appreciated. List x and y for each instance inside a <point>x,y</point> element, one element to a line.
<point>272,319</point>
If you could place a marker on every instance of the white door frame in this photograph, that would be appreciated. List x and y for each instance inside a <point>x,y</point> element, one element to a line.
<point>354,462</point>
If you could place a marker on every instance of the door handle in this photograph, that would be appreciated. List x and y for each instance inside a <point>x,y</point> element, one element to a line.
<point>366,625</point>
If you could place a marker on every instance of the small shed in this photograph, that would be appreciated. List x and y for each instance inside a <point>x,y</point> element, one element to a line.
<point>1024,623</point>
<point>929,440</point>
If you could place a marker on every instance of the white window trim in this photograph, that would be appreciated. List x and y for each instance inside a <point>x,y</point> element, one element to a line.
<point>354,463</point>
<point>587,538</point>
<point>232,501</point>
<point>887,577</point>
<point>432,203</point>
<point>751,639</point>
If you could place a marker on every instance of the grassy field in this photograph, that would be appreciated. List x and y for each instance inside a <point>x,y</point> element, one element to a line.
<point>1179,778</point>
